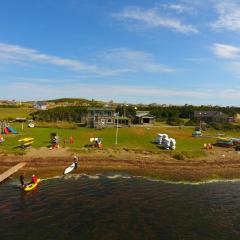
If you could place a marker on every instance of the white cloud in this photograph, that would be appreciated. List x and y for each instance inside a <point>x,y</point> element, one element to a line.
<point>135,61</point>
<point>140,61</point>
<point>178,8</point>
<point>17,54</point>
<point>228,16</point>
<point>197,59</point>
<point>226,51</point>
<point>152,18</point>
<point>43,91</point>
<point>232,94</point>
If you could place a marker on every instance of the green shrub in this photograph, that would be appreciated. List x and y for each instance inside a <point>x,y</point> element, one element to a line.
<point>60,125</point>
<point>179,156</point>
<point>191,122</point>
<point>224,126</point>
<point>175,121</point>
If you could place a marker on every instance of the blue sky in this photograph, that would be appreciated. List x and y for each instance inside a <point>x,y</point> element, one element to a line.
<point>177,52</point>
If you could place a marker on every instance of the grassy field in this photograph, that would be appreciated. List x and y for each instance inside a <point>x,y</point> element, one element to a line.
<point>6,113</point>
<point>135,138</point>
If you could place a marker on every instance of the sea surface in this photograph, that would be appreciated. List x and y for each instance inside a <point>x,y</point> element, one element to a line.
<point>119,206</point>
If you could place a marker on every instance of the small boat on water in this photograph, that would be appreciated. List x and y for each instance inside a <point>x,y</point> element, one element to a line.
<point>31,186</point>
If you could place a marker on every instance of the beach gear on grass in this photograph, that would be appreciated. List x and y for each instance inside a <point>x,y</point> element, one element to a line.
<point>10,129</point>
<point>166,142</point>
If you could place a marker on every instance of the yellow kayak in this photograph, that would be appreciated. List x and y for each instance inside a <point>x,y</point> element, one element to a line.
<point>31,186</point>
<point>26,139</point>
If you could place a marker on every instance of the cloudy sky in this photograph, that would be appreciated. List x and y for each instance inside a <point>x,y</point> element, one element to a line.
<point>132,51</point>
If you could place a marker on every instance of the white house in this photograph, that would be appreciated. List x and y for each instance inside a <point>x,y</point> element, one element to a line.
<point>40,105</point>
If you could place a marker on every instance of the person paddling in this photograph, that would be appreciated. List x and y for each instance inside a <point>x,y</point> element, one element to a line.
<point>21,178</point>
<point>75,160</point>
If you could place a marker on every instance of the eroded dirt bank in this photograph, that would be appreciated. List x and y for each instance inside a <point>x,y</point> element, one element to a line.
<point>220,164</point>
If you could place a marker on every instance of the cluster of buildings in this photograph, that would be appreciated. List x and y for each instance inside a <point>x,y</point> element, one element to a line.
<point>214,117</point>
<point>9,102</point>
<point>107,117</point>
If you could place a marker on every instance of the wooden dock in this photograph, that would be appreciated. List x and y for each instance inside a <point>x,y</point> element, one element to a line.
<point>11,171</point>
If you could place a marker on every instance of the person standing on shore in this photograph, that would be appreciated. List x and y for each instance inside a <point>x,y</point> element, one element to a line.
<point>71,140</point>
<point>75,160</point>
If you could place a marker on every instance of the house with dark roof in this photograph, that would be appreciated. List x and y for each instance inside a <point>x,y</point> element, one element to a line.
<point>211,116</point>
<point>143,117</point>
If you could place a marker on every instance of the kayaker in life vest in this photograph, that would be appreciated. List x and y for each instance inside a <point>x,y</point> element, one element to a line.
<point>34,179</point>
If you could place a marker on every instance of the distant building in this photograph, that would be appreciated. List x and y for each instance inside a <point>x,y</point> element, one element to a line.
<point>8,102</point>
<point>143,117</point>
<point>211,116</point>
<point>19,119</point>
<point>237,117</point>
<point>122,121</point>
<point>100,117</point>
<point>40,105</point>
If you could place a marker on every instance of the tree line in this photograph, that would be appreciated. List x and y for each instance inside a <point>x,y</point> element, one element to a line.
<point>76,113</point>
<point>70,114</point>
<point>169,112</point>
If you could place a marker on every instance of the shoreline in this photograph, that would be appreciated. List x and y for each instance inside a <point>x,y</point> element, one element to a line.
<point>217,165</point>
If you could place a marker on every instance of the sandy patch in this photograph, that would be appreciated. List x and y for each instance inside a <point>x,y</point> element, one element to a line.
<point>44,152</point>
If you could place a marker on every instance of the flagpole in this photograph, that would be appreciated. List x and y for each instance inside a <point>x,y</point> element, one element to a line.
<point>116,139</point>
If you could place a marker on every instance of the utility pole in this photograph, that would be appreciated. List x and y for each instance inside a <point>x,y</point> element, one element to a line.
<point>116,138</point>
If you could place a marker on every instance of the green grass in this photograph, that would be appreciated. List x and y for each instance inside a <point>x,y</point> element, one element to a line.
<point>6,113</point>
<point>138,138</point>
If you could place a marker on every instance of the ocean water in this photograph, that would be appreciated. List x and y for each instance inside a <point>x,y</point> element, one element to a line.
<point>119,206</point>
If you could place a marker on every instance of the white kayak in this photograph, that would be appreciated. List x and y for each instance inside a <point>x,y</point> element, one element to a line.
<point>69,169</point>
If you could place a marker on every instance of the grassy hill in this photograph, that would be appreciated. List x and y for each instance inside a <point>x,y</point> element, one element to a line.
<point>75,102</point>
<point>6,113</point>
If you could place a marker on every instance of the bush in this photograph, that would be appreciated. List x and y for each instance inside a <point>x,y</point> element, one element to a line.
<point>224,126</point>
<point>60,125</point>
<point>191,122</point>
<point>175,122</point>
<point>179,156</point>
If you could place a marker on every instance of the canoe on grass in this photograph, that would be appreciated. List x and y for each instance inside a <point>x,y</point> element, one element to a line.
<point>31,186</point>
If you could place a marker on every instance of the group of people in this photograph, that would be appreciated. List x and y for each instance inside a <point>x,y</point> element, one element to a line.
<point>207,146</point>
<point>35,178</point>
<point>71,140</point>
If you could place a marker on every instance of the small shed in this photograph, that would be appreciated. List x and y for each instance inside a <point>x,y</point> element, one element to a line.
<point>143,117</point>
